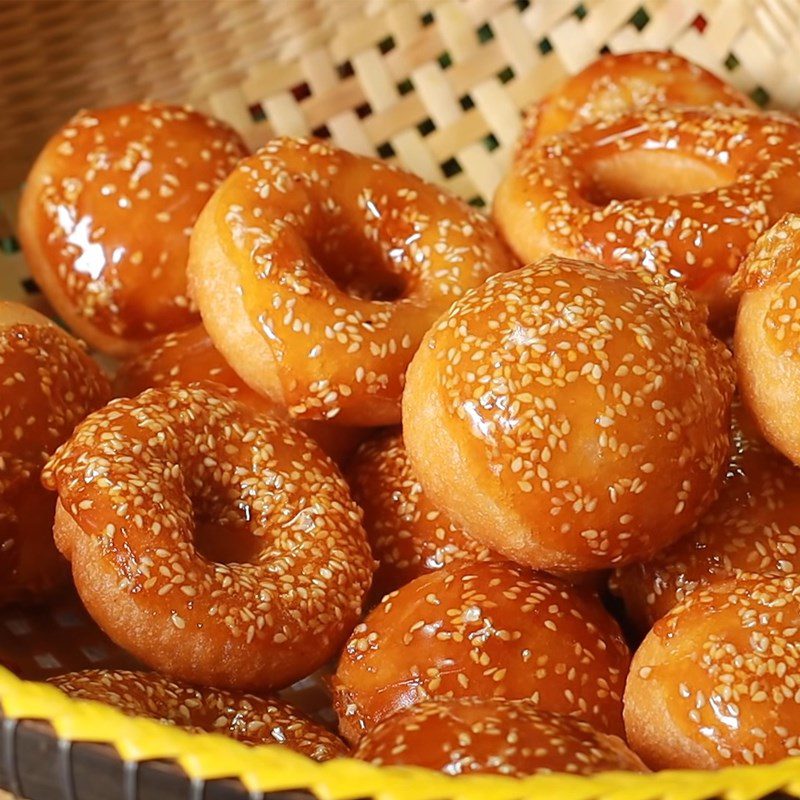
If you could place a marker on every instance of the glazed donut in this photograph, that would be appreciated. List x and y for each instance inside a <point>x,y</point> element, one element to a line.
<point>244,717</point>
<point>189,356</point>
<point>217,545</point>
<point>752,527</point>
<point>715,682</point>
<point>569,416</point>
<point>767,338</point>
<point>684,192</point>
<point>106,214</point>
<point>465,736</point>
<point>409,536</point>
<point>616,84</point>
<point>47,385</point>
<point>487,629</point>
<point>317,272</point>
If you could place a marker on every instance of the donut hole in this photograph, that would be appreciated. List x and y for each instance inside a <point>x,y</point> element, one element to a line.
<point>637,174</point>
<point>359,267</point>
<point>226,541</point>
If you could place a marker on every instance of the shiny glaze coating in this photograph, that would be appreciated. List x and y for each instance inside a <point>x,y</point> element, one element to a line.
<point>753,527</point>
<point>189,356</point>
<point>716,680</point>
<point>507,737</point>
<point>317,273</point>
<point>767,338</point>
<point>106,215</point>
<point>684,192</point>
<point>216,544</point>
<point>488,629</point>
<point>47,385</point>
<point>569,416</point>
<point>244,717</point>
<point>619,83</point>
<point>408,534</point>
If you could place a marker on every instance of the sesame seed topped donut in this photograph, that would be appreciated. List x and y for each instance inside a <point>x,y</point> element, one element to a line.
<point>767,338</point>
<point>617,83</point>
<point>487,629</point>
<point>680,191</point>
<point>466,736</point>
<point>217,545</point>
<point>715,681</point>
<point>569,416</point>
<point>189,356</point>
<point>317,273</point>
<point>752,527</point>
<point>244,717</point>
<point>47,385</point>
<point>106,215</point>
<point>409,535</point>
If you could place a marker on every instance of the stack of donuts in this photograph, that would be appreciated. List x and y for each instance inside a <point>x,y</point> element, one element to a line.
<point>525,481</point>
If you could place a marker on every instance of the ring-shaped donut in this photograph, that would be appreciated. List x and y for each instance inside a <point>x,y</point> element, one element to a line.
<point>619,83</point>
<point>681,191</point>
<point>244,717</point>
<point>317,272</point>
<point>217,545</point>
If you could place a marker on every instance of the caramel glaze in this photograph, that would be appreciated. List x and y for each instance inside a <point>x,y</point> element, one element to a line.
<point>716,680</point>
<point>408,534</point>
<point>569,416</point>
<point>317,273</point>
<point>753,527</point>
<point>189,356</point>
<point>684,192</point>
<point>767,338</point>
<point>466,736</point>
<point>47,385</point>
<point>487,629</point>
<point>615,84</point>
<point>106,215</point>
<point>218,545</point>
<point>244,717</point>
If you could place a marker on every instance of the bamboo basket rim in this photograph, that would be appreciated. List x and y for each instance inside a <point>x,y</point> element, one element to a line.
<point>277,768</point>
<point>301,82</point>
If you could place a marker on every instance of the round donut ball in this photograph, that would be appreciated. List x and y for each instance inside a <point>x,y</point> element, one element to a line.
<point>569,416</point>
<point>48,384</point>
<point>244,717</point>
<point>466,736</point>
<point>752,527</point>
<point>767,337</point>
<point>487,629</point>
<point>409,536</point>
<point>106,215</point>
<point>189,356</point>
<point>715,681</point>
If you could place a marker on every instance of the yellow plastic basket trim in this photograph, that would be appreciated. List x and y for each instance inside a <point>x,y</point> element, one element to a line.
<point>274,768</point>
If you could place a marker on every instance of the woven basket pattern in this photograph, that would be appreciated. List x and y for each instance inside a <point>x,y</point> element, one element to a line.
<point>436,85</point>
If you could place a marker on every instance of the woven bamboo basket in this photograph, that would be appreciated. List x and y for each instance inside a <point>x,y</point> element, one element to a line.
<point>435,85</point>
